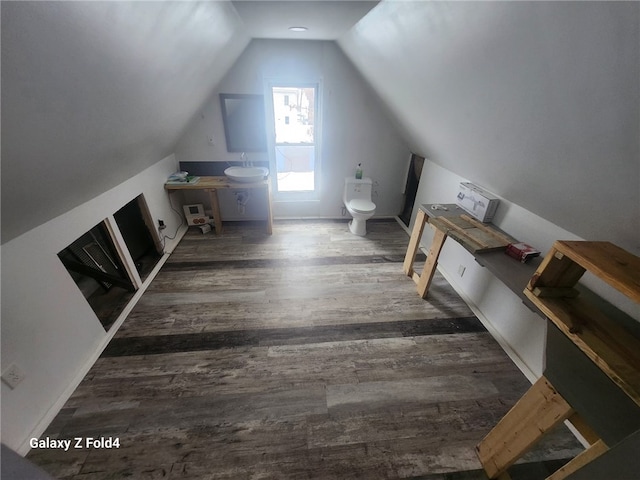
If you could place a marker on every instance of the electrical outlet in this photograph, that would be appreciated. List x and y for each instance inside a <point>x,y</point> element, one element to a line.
<point>461,270</point>
<point>12,376</point>
<point>210,140</point>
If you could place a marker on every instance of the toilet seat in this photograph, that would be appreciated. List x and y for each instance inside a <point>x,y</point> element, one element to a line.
<point>362,206</point>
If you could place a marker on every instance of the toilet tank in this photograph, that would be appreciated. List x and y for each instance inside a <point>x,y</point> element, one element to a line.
<point>355,188</point>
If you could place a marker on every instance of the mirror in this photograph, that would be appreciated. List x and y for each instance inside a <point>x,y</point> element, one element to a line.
<point>244,122</point>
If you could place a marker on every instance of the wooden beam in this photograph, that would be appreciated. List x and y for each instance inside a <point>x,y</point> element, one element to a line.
<point>608,262</point>
<point>431,263</point>
<point>98,274</point>
<point>583,427</point>
<point>479,238</point>
<point>538,411</point>
<point>594,451</point>
<point>215,207</point>
<point>555,292</point>
<point>556,270</point>
<point>491,231</point>
<point>414,243</point>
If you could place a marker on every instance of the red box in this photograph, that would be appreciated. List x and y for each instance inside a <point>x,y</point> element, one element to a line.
<point>521,251</point>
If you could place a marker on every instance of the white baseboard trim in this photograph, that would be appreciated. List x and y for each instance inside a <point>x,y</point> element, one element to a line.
<point>48,417</point>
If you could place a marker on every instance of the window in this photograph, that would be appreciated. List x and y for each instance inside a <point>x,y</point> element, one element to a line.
<point>295,146</point>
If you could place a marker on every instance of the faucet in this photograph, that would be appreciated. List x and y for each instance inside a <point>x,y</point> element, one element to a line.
<point>245,162</point>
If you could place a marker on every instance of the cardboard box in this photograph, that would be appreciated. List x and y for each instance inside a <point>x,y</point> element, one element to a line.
<point>477,202</point>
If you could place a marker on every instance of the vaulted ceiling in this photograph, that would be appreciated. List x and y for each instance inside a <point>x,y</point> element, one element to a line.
<point>95,92</point>
<point>538,101</point>
<point>324,20</point>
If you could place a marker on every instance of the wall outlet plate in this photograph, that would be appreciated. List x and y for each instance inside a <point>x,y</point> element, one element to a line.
<point>12,376</point>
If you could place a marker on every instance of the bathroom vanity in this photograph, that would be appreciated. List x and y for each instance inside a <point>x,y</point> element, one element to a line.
<point>214,183</point>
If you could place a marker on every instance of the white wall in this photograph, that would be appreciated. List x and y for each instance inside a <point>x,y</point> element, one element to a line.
<point>539,102</point>
<point>355,127</point>
<point>48,329</point>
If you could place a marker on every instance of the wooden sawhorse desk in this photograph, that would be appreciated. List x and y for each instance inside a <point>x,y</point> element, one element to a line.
<point>449,220</point>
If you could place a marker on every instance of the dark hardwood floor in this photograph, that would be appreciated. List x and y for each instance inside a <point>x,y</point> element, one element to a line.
<point>303,355</point>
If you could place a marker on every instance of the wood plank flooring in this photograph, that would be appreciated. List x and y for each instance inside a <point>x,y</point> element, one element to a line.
<point>303,355</point>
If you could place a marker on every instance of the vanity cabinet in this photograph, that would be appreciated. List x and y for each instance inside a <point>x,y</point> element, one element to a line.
<point>212,185</point>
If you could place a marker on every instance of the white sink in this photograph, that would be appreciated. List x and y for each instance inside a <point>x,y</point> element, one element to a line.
<point>246,174</point>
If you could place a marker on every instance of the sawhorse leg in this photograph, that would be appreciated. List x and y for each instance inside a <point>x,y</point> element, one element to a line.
<point>424,279</point>
<point>539,410</point>
<point>429,269</point>
<point>215,207</point>
<point>414,243</point>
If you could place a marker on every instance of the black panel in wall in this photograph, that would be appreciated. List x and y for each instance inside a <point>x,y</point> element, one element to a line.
<point>134,230</point>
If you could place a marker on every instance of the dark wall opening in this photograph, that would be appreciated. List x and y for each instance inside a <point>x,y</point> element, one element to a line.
<point>98,266</point>
<point>135,225</point>
<point>411,188</point>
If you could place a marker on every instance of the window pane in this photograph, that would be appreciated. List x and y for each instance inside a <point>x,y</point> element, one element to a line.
<point>296,167</point>
<point>294,110</point>
<point>295,150</point>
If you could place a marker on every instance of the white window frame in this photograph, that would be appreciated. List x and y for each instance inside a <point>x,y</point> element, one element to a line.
<point>286,196</point>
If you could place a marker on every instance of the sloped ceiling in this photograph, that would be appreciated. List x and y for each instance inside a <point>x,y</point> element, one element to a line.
<point>95,92</point>
<point>538,102</point>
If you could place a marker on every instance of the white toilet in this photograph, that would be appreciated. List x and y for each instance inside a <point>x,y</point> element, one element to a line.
<point>357,200</point>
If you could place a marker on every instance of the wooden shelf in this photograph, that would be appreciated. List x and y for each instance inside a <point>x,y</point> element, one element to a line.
<point>552,289</point>
<point>589,350</point>
<point>611,347</point>
<point>607,261</point>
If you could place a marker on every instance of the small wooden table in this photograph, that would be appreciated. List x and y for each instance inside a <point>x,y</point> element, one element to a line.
<point>213,184</point>
<point>480,239</point>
